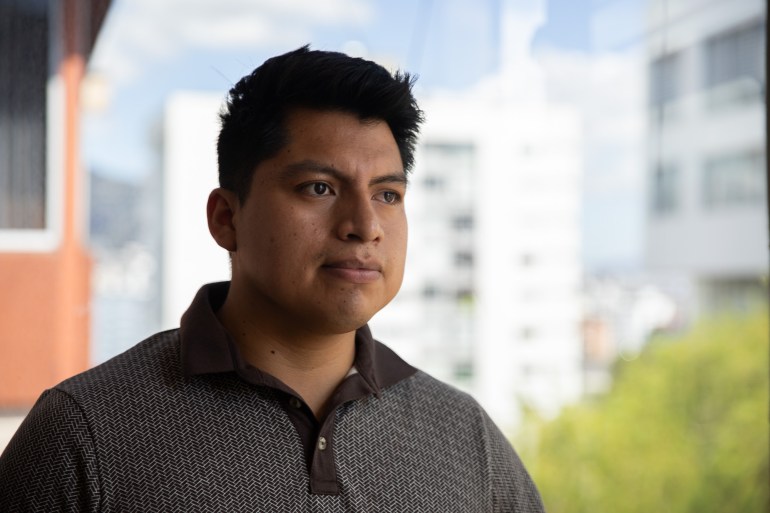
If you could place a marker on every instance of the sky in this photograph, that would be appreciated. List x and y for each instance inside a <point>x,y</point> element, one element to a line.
<point>148,49</point>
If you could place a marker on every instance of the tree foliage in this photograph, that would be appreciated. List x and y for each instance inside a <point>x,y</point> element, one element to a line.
<point>684,429</point>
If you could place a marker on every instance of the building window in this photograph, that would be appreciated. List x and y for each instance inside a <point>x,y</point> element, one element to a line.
<point>666,79</point>
<point>464,295</point>
<point>463,222</point>
<point>463,258</point>
<point>735,55</point>
<point>23,77</point>
<point>527,333</point>
<point>463,370</point>
<point>449,169</point>
<point>732,294</point>
<point>441,155</point>
<point>732,180</point>
<point>430,292</point>
<point>433,182</point>
<point>665,189</point>
<point>526,260</point>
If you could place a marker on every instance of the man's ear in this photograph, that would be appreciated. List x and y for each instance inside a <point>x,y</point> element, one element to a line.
<point>220,210</point>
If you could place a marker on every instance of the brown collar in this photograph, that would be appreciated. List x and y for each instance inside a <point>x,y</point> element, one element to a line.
<point>207,347</point>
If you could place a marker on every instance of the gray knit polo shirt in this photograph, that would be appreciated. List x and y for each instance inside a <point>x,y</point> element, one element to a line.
<point>180,424</point>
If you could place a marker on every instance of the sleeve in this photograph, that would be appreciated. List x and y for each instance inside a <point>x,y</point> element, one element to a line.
<point>50,463</point>
<point>513,490</point>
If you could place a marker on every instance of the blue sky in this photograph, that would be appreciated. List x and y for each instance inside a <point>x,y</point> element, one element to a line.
<point>450,44</point>
<point>147,49</point>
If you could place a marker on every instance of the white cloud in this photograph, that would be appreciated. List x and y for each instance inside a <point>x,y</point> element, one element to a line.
<point>609,90</point>
<point>138,31</point>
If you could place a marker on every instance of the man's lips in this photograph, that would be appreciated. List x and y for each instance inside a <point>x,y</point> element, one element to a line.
<point>354,270</point>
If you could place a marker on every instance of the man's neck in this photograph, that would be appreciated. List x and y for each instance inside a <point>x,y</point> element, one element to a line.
<point>313,365</point>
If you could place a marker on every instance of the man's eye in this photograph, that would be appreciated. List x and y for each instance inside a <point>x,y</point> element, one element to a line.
<point>317,189</point>
<point>390,196</point>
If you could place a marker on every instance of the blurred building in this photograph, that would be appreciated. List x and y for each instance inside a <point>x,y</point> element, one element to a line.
<point>190,257</point>
<point>620,314</point>
<point>124,241</point>
<point>707,210</point>
<point>491,299</point>
<point>44,266</point>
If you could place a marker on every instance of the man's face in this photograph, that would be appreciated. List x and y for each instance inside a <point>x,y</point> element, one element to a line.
<point>321,238</point>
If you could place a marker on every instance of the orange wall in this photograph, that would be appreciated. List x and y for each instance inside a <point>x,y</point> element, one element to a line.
<point>45,297</point>
<point>44,300</point>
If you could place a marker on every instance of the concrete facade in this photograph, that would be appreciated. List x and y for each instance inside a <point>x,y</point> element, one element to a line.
<point>707,208</point>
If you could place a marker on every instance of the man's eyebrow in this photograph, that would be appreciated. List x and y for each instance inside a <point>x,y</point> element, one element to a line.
<point>314,166</point>
<point>397,178</point>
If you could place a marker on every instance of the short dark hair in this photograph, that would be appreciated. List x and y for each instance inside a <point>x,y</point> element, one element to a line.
<point>253,117</point>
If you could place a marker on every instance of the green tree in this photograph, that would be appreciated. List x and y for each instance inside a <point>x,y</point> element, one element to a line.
<point>684,429</point>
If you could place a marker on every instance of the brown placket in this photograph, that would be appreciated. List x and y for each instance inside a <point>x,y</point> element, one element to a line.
<point>318,436</point>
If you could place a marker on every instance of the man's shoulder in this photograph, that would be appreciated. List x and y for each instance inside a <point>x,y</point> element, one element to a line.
<point>433,389</point>
<point>430,401</point>
<point>151,361</point>
<point>437,425</point>
<point>429,394</point>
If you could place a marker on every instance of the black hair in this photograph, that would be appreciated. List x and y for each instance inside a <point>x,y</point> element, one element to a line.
<point>252,120</point>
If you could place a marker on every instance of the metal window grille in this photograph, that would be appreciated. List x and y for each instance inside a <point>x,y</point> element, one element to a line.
<point>24,30</point>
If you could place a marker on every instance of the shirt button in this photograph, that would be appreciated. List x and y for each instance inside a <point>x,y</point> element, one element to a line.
<point>321,443</point>
<point>295,403</point>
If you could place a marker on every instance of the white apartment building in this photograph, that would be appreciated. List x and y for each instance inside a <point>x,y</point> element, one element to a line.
<point>707,210</point>
<point>190,257</point>
<point>491,300</point>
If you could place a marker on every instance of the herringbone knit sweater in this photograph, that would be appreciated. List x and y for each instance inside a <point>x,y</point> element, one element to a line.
<point>137,435</point>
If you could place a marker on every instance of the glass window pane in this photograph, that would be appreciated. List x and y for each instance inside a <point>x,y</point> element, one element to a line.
<point>23,78</point>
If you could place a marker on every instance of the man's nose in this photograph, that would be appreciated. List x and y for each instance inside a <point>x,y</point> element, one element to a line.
<point>357,219</point>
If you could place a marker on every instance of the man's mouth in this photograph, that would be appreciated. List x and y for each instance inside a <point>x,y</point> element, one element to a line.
<point>354,270</point>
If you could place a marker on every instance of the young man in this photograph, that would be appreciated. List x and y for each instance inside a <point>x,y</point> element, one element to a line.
<point>273,395</point>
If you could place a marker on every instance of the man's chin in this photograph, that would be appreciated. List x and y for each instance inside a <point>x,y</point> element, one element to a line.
<point>346,319</point>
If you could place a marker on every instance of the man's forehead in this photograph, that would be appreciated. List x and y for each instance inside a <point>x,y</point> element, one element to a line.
<point>337,130</point>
